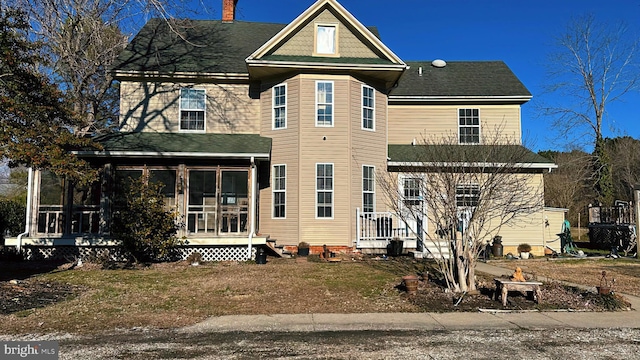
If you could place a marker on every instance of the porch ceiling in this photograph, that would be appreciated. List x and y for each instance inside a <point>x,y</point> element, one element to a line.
<point>183,145</point>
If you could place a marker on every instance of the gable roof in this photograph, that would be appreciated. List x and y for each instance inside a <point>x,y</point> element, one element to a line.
<point>460,80</point>
<point>208,47</point>
<point>149,144</point>
<point>343,15</point>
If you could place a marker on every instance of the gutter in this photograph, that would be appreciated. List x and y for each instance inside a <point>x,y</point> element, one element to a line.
<point>333,66</point>
<point>172,154</point>
<point>410,98</point>
<point>27,224</point>
<point>471,164</point>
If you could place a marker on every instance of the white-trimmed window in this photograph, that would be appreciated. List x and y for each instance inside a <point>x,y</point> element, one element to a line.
<point>279,191</point>
<point>368,188</point>
<point>467,195</point>
<point>469,126</point>
<point>326,36</point>
<point>324,190</point>
<point>280,106</point>
<point>324,103</point>
<point>368,108</point>
<point>192,109</point>
<point>412,191</point>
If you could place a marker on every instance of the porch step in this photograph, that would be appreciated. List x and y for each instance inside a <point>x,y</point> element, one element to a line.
<point>431,251</point>
<point>274,250</point>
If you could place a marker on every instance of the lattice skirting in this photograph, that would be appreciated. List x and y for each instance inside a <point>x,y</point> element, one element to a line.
<point>89,253</point>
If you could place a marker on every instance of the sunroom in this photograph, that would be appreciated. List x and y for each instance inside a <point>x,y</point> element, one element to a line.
<point>210,180</point>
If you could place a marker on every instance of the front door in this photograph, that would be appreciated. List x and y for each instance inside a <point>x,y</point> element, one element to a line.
<point>234,205</point>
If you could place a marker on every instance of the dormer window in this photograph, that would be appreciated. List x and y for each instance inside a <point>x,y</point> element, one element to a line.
<point>326,40</point>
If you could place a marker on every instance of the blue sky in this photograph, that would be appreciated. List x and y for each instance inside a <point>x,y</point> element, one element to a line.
<point>518,32</point>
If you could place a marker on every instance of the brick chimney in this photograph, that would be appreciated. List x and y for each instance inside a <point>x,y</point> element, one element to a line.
<point>229,10</point>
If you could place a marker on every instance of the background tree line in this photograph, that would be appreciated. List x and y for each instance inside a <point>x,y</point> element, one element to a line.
<point>571,186</point>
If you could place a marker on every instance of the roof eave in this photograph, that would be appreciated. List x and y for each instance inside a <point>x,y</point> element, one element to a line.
<point>180,75</point>
<point>172,154</point>
<point>458,99</point>
<point>548,166</point>
<point>326,66</point>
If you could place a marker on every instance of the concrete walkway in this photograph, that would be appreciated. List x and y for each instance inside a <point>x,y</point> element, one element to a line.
<point>425,321</point>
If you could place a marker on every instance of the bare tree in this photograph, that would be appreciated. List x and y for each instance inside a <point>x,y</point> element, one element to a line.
<point>593,66</point>
<point>466,193</point>
<point>625,165</point>
<point>569,186</point>
<point>82,39</point>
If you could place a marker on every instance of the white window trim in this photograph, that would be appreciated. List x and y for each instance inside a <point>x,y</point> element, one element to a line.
<point>336,36</point>
<point>466,186</point>
<point>333,101</point>
<point>333,182</point>
<point>459,126</point>
<point>373,108</point>
<point>273,107</point>
<point>180,129</point>
<point>369,191</point>
<point>274,191</point>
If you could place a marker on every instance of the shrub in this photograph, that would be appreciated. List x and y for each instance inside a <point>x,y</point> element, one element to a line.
<point>147,230</point>
<point>524,248</point>
<point>303,245</point>
<point>12,215</point>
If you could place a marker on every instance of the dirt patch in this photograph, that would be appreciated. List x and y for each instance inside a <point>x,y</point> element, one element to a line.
<point>21,295</point>
<point>626,272</point>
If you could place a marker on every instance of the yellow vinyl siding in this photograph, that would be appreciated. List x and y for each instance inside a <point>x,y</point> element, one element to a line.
<point>284,150</point>
<point>335,150</point>
<point>348,44</point>
<point>156,106</point>
<point>437,122</point>
<point>368,148</point>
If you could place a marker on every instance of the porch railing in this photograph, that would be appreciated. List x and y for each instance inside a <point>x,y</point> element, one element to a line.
<point>381,226</point>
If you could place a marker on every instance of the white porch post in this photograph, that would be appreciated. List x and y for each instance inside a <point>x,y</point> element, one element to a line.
<point>358,224</point>
<point>637,198</point>
<point>27,225</point>
<point>252,210</point>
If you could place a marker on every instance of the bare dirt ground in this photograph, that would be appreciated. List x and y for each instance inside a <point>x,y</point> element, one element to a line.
<point>626,272</point>
<point>89,299</point>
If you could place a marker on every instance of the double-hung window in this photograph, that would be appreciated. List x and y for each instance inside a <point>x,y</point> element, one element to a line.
<point>192,109</point>
<point>469,126</point>
<point>280,106</point>
<point>368,108</point>
<point>279,191</point>
<point>467,196</point>
<point>411,191</point>
<point>324,103</point>
<point>368,189</point>
<point>324,190</point>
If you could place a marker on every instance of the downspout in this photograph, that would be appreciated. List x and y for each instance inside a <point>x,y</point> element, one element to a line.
<point>252,211</point>
<point>27,224</point>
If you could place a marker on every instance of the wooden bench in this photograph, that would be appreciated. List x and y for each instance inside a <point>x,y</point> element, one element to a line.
<point>503,287</point>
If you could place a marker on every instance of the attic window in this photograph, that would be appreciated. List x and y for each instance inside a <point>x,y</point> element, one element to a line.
<point>326,39</point>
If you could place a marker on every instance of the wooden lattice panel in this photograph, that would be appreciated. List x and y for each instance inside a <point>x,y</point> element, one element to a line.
<point>88,253</point>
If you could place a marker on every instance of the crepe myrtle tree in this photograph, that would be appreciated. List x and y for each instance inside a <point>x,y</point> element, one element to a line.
<point>466,194</point>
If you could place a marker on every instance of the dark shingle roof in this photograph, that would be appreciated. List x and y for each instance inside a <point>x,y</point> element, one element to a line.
<point>320,59</point>
<point>148,142</point>
<point>212,46</point>
<point>209,46</point>
<point>460,78</point>
<point>464,154</point>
